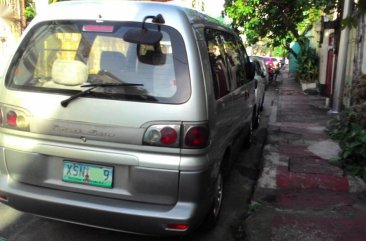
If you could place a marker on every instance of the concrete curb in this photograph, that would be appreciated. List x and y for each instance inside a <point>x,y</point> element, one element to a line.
<point>299,194</point>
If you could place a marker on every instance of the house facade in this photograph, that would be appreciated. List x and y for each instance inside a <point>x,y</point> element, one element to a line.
<point>342,58</point>
<point>12,24</point>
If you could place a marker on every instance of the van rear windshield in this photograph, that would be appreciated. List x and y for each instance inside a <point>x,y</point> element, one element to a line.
<point>61,56</point>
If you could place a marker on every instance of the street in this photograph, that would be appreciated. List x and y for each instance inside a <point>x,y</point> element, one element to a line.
<point>18,226</point>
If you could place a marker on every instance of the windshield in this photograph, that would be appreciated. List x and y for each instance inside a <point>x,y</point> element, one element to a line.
<point>61,57</point>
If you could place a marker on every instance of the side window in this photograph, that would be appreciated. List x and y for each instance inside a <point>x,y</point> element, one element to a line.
<point>235,59</point>
<point>244,58</point>
<point>216,52</point>
<point>257,67</point>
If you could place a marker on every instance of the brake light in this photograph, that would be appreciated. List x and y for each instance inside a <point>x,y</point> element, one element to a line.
<point>3,198</point>
<point>177,227</point>
<point>168,136</point>
<point>11,118</point>
<point>14,118</point>
<point>162,135</point>
<point>98,28</point>
<point>196,137</point>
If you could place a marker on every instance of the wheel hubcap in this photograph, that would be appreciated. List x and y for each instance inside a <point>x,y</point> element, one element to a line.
<point>219,195</point>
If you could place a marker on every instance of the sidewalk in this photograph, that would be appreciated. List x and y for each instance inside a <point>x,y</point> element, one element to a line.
<point>300,196</point>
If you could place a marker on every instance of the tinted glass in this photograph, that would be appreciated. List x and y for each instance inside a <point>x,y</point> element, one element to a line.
<point>235,58</point>
<point>62,56</point>
<point>216,52</point>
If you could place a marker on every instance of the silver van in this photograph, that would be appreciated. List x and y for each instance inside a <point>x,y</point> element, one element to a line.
<point>124,115</point>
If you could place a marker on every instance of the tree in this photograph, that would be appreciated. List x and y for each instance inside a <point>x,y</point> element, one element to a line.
<point>279,21</point>
<point>29,10</point>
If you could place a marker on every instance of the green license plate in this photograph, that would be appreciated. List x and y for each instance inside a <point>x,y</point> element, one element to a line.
<point>82,173</point>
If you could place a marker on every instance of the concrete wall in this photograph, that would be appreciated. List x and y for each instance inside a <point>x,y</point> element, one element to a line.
<point>323,55</point>
<point>363,63</point>
<point>10,29</point>
<point>292,60</point>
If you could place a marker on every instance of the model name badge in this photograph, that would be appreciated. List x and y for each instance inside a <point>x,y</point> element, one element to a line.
<point>78,131</point>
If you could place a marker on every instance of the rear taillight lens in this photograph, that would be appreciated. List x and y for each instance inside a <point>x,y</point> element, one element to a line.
<point>177,227</point>
<point>169,136</point>
<point>14,118</point>
<point>11,118</point>
<point>3,198</point>
<point>196,137</point>
<point>162,135</point>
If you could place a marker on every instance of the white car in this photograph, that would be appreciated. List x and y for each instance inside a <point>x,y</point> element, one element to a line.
<point>260,88</point>
<point>262,63</point>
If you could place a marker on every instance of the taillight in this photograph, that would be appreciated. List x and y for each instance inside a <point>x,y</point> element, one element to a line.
<point>196,137</point>
<point>169,136</point>
<point>162,135</point>
<point>14,118</point>
<point>11,118</point>
<point>3,198</point>
<point>177,227</point>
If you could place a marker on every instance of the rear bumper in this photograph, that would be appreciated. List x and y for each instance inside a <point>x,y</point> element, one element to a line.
<point>133,217</point>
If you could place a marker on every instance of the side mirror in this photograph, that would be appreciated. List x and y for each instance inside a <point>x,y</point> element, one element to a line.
<point>250,70</point>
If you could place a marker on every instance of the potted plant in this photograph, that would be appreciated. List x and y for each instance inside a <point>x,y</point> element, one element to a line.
<point>308,68</point>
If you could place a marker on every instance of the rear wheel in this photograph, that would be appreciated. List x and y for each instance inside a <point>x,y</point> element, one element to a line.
<point>213,214</point>
<point>249,135</point>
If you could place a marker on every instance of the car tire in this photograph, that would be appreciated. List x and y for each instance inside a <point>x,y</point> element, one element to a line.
<point>256,119</point>
<point>261,105</point>
<point>249,136</point>
<point>215,209</point>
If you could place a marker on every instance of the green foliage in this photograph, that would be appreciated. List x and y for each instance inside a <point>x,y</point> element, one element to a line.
<point>352,140</point>
<point>29,11</point>
<point>253,207</point>
<point>308,65</point>
<point>352,21</point>
<point>358,94</point>
<point>281,22</point>
<point>350,130</point>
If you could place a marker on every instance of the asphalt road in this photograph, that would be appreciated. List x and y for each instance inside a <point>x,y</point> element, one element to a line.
<point>18,226</point>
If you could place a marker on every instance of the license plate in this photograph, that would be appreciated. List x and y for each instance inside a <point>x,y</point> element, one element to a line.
<point>82,173</point>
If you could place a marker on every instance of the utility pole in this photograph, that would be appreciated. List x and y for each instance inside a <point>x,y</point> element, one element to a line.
<point>341,60</point>
<point>22,15</point>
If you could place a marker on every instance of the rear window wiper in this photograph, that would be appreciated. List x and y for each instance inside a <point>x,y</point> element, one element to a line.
<point>86,92</point>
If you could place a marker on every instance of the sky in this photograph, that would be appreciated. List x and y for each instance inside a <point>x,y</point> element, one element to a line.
<point>214,7</point>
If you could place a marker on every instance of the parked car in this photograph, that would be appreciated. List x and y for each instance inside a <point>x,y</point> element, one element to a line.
<point>273,66</point>
<point>263,67</point>
<point>124,115</point>
<point>260,84</point>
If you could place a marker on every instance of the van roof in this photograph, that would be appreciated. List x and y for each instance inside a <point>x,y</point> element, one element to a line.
<point>119,10</point>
